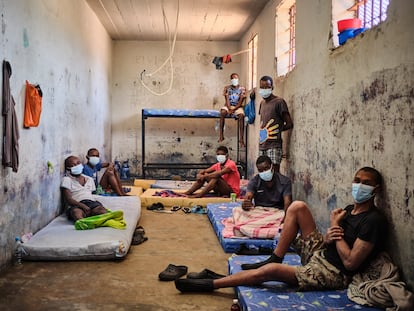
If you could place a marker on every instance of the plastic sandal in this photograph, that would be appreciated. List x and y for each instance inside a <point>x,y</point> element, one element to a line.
<point>198,209</point>
<point>175,208</point>
<point>186,210</point>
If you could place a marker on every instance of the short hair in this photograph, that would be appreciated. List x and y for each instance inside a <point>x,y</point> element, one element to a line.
<point>223,148</point>
<point>263,159</point>
<point>92,149</point>
<point>234,73</point>
<point>67,160</point>
<point>373,171</point>
<point>267,78</point>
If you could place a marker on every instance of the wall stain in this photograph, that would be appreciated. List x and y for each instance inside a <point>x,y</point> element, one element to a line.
<point>377,87</point>
<point>332,202</point>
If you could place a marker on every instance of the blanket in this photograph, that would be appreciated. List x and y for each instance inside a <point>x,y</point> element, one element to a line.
<point>110,219</point>
<point>379,285</point>
<point>258,223</point>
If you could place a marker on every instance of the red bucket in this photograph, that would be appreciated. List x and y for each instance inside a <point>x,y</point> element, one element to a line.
<point>351,23</point>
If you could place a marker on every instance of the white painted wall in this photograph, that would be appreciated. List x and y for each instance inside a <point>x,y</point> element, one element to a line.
<point>351,107</point>
<point>196,85</point>
<point>62,46</point>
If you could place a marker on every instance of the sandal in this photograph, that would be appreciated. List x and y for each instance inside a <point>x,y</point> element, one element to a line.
<point>198,209</point>
<point>186,210</point>
<point>156,206</point>
<point>139,236</point>
<point>139,230</point>
<point>175,208</point>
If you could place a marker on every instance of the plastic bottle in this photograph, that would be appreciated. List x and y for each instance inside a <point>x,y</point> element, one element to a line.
<point>18,250</point>
<point>235,306</point>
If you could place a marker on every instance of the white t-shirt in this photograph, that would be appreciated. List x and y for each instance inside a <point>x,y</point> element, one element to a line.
<point>78,191</point>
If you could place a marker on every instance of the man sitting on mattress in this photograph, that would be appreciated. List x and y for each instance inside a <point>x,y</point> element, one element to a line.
<point>77,191</point>
<point>261,215</point>
<point>357,234</point>
<point>222,177</point>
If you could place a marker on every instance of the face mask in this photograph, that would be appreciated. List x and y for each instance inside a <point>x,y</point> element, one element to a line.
<point>265,93</point>
<point>266,175</point>
<point>93,160</point>
<point>235,82</point>
<point>221,158</point>
<point>362,193</point>
<point>77,169</point>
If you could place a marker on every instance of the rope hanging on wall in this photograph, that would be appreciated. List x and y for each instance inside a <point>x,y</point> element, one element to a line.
<point>169,58</point>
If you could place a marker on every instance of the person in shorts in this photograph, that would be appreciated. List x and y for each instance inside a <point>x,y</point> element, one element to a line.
<point>77,191</point>
<point>356,235</point>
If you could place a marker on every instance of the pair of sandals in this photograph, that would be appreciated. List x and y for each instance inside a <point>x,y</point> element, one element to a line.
<point>139,236</point>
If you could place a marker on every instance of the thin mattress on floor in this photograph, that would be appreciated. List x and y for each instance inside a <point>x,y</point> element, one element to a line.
<point>216,212</point>
<point>279,296</point>
<point>59,240</point>
<point>150,197</point>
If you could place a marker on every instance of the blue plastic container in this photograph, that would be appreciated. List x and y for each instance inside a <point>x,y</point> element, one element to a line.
<point>349,33</point>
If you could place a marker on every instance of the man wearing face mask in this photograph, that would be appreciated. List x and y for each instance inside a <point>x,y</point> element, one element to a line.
<point>274,119</point>
<point>110,180</point>
<point>268,188</point>
<point>77,191</point>
<point>356,235</point>
<point>234,95</point>
<point>222,177</point>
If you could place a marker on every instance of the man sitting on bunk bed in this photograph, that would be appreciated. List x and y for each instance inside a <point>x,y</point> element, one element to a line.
<point>222,177</point>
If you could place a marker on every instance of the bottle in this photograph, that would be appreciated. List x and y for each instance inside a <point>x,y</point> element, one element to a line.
<point>125,170</point>
<point>235,306</point>
<point>18,250</point>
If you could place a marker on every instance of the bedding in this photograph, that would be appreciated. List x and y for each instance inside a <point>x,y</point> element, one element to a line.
<point>279,296</point>
<point>148,198</point>
<point>217,212</point>
<point>59,240</point>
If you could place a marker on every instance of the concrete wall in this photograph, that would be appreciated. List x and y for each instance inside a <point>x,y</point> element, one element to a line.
<point>62,46</point>
<point>196,84</point>
<point>352,106</point>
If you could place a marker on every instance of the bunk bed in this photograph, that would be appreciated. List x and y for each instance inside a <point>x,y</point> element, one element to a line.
<point>241,158</point>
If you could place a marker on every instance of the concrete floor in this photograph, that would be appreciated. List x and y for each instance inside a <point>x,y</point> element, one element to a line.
<point>130,284</point>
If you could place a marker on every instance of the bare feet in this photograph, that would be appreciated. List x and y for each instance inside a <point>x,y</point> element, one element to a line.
<point>242,144</point>
<point>220,139</point>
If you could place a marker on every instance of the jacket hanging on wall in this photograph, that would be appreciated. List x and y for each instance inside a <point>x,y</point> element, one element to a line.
<point>33,105</point>
<point>11,130</point>
<point>250,111</point>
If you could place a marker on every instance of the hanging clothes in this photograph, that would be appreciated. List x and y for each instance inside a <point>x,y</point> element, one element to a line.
<point>10,156</point>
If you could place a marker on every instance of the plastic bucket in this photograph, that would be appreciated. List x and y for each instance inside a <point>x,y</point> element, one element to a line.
<point>351,23</point>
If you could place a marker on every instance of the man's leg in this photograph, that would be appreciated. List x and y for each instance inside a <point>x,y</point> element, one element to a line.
<point>298,218</point>
<point>210,185</point>
<point>270,272</point>
<point>240,120</point>
<point>195,186</point>
<point>110,180</point>
<point>223,114</point>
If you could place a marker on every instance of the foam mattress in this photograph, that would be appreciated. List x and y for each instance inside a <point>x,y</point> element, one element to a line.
<point>59,240</point>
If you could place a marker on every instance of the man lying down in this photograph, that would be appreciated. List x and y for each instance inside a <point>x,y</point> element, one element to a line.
<point>81,206</point>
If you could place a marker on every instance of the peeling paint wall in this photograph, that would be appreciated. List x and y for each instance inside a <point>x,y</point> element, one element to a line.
<point>62,46</point>
<point>196,84</point>
<point>352,106</point>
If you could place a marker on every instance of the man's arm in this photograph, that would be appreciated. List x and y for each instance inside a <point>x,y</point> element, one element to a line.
<point>288,123</point>
<point>67,195</point>
<point>247,202</point>
<point>226,98</point>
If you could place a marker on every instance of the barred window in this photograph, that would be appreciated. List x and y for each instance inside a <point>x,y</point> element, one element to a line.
<point>252,71</point>
<point>372,12</point>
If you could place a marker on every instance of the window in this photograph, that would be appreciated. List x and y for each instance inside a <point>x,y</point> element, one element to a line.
<point>285,37</point>
<point>372,12</point>
<point>252,75</point>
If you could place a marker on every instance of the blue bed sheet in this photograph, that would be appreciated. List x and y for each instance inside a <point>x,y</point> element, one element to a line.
<point>279,296</point>
<point>216,212</point>
<point>185,113</point>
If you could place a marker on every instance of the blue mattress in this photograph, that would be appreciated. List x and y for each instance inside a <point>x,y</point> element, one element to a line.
<point>184,113</point>
<point>278,296</point>
<point>216,212</point>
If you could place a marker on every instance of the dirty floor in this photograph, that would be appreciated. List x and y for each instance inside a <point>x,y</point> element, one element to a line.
<point>129,284</point>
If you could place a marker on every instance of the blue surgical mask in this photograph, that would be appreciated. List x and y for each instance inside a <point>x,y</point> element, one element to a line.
<point>93,160</point>
<point>235,82</point>
<point>266,175</point>
<point>361,192</point>
<point>77,169</point>
<point>265,93</point>
<point>221,158</point>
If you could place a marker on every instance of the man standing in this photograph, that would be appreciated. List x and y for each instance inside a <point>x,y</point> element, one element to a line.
<point>275,118</point>
<point>234,95</point>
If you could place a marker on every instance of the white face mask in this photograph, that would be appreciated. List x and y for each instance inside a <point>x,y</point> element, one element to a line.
<point>265,93</point>
<point>93,160</point>
<point>77,169</point>
<point>266,175</point>
<point>235,82</point>
<point>221,158</point>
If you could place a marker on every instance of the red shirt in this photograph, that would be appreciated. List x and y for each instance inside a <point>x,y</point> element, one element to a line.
<point>232,178</point>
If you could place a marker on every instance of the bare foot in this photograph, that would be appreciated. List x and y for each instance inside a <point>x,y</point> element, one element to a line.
<point>242,144</point>
<point>220,139</point>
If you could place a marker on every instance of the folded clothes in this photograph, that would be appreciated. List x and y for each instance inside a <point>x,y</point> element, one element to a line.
<point>168,193</point>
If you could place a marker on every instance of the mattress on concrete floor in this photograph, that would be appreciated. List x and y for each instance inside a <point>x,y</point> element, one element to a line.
<point>59,240</point>
<point>149,197</point>
<point>216,212</point>
<point>279,296</point>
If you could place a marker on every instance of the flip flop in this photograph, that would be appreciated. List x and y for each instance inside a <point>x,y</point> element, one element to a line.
<point>175,208</point>
<point>186,210</point>
<point>156,206</point>
<point>198,209</point>
<point>139,230</point>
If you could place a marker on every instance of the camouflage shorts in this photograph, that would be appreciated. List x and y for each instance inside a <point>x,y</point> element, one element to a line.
<point>317,273</point>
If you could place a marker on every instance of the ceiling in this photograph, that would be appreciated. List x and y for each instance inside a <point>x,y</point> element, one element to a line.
<point>198,20</point>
